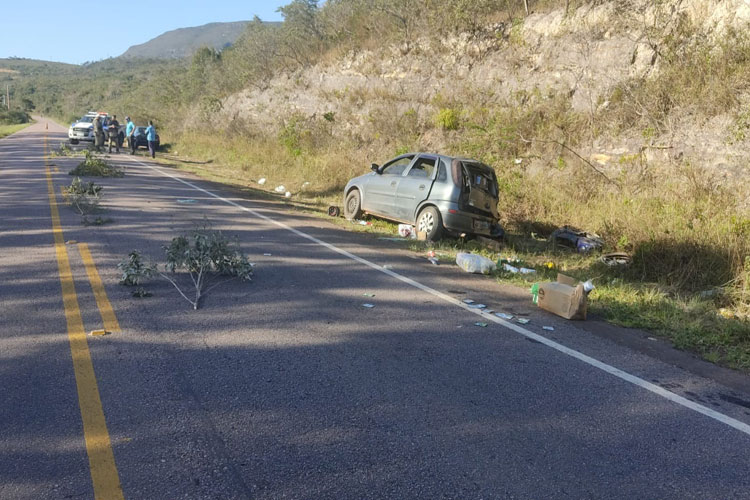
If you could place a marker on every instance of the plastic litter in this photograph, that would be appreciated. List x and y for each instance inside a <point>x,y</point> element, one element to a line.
<point>535,293</point>
<point>473,263</point>
<point>504,316</point>
<point>262,181</point>
<point>479,323</point>
<point>362,222</point>
<point>368,294</point>
<point>588,286</point>
<point>523,321</point>
<point>526,270</point>
<point>477,306</point>
<point>434,261</point>
<point>407,231</point>
<point>305,184</point>
<point>186,201</point>
<point>280,189</point>
<point>510,269</point>
<point>267,254</point>
<point>287,194</point>
<point>549,328</point>
<point>369,306</point>
<point>468,301</point>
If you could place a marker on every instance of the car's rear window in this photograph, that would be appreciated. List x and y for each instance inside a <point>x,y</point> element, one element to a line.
<point>482,177</point>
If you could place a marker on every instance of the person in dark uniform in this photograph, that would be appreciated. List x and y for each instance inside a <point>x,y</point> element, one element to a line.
<point>98,134</point>
<point>114,134</point>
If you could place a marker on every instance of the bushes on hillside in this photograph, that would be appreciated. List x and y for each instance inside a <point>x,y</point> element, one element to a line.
<point>14,117</point>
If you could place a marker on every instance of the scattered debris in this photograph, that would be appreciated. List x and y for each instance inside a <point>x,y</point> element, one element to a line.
<point>99,333</point>
<point>267,254</point>
<point>334,211</point>
<point>434,261</point>
<point>616,259</point>
<point>468,301</point>
<point>262,181</point>
<point>525,270</point>
<point>368,294</point>
<point>479,323</point>
<point>523,321</point>
<point>71,242</point>
<point>473,263</point>
<point>477,306</point>
<point>407,231</point>
<point>362,222</point>
<point>566,297</point>
<point>280,189</point>
<point>305,184</point>
<point>387,266</point>
<point>369,306</point>
<point>287,194</point>
<point>510,269</point>
<point>186,201</point>
<point>549,328</point>
<point>581,241</point>
<point>518,161</point>
<point>504,316</point>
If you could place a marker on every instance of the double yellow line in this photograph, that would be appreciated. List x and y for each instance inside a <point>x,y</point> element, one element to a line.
<point>104,475</point>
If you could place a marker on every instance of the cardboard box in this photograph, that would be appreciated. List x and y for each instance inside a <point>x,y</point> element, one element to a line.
<point>566,297</point>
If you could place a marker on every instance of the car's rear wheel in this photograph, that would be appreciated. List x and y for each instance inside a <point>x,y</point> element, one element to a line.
<point>430,223</point>
<point>353,205</point>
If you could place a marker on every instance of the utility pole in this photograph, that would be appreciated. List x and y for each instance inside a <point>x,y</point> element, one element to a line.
<point>7,95</point>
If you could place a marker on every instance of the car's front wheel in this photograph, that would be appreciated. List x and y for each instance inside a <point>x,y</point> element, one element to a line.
<point>430,223</point>
<point>353,205</point>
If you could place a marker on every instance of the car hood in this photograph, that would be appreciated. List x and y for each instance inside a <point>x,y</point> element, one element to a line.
<point>83,125</point>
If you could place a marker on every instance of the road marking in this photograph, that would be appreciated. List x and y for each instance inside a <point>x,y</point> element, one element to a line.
<point>109,320</point>
<point>627,377</point>
<point>104,475</point>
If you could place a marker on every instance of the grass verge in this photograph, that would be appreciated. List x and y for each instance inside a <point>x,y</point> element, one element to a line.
<point>6,130</point>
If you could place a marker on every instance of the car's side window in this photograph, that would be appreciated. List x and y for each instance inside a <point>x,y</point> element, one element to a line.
<point>397,167</point>
<point>442,172</point>
<point>423,168</point>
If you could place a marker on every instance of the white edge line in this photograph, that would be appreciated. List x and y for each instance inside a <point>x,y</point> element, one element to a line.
<point>627,377</point>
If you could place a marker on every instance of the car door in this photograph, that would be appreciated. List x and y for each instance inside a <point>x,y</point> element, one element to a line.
<point>415,187</point>
<point>380,192</point>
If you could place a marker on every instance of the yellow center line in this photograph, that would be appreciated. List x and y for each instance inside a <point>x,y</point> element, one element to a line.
<point>109,319</point>
<point>104,475</point>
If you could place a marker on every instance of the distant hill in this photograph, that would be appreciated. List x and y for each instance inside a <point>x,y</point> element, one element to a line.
<point>17,66</point>
<point>182,42</point>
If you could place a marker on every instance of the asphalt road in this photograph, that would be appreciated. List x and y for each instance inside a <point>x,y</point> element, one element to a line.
<point>287,387</point>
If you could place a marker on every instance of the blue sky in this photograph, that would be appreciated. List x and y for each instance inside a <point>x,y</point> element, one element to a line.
<point>78,31</point>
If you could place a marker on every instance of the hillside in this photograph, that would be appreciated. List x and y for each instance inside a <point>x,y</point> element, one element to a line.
<point>182,42</point>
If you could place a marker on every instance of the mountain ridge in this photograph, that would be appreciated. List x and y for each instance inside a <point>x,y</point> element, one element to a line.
<point>182,42</point>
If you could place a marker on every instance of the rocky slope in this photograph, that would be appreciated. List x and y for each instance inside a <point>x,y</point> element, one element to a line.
<point>583,54</point>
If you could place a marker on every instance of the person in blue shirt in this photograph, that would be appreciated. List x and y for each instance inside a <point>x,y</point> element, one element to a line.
<point>151,138</point>
<point>129,133</point>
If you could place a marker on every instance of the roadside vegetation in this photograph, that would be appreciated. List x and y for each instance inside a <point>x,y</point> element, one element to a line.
<point>688,234</point>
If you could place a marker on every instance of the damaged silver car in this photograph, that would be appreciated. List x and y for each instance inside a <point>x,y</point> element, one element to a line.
<point>435,193</point>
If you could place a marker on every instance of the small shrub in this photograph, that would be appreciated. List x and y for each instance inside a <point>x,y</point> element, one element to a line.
<point>448,119</point>
<point>93,166</point>
<point>134,270</point>
<point>83,197</point>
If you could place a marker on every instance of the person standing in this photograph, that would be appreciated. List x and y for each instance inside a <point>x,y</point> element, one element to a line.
<point>151,138</point>
<point>98,134</point>
<point>130,133</point>
<point>114,134</point>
